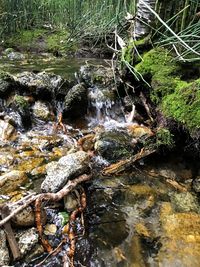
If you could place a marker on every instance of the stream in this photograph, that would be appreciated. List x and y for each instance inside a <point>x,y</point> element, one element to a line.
<point>146,216</point>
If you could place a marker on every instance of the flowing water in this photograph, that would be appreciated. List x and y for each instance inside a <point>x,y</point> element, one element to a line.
<point>128,221</point>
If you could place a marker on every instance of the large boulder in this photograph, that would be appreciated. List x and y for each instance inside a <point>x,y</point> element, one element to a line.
<point>43,85</point>
<point>68,167</point>
<point>76,101</point>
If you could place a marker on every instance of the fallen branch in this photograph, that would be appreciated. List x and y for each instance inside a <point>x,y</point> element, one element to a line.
<point>10,235</point>
<point>123,165</point>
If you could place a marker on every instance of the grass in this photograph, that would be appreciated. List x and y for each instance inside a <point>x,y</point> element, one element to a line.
<point>80,18</point>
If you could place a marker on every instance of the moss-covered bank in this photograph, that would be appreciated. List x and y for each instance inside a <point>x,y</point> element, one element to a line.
<point>42,40</point>
<point>175,97</point>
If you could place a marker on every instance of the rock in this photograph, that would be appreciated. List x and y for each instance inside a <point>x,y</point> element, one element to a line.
<point>58,173</point>
<point>196,184</point>
<point>38,172</point>
<point>76,102</point>
<point>6,83</point>
<point>11,181</point>
<point>185,202</point>
<point>27,239</point>
<point>50,229</point>
<point>70,202</point>
<point>42,112</point>
<point>87,142</point>
<point>113,145</point>
<point>20,105</point>
<point>42,84</point>
<point>15,56</point>
<point>25,218</point>
<point>4,252</point>
<point>97,75</point>
<point>28,165</point>
<point>7,131</point>
<point>137,131</point>
<point>180,239</point>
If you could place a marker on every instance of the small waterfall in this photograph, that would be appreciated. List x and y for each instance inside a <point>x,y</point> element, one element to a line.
<point>103,107</point>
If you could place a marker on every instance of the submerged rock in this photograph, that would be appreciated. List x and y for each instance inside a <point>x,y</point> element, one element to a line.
<point>75,103</point>
<point>11,181</point>
<point>4,252</point>
<point>181,239</point>
<point>58,173</point>
<point>185,202</point>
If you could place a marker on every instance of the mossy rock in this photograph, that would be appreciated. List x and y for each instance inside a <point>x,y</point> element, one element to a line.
<point>176,98</point>
<point>183,105</point>
<point>6,83</point>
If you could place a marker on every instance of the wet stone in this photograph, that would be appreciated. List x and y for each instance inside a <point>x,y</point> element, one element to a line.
<point>76,101</point>
<point>7,131</point>
<point>58,173</point>
<point>25,218</point>
<point>4,253</point>
<point>42,111</point>
<point>27,239</point>
<point>196,184</point>
<point>11,181</point>
<point>113,145</point>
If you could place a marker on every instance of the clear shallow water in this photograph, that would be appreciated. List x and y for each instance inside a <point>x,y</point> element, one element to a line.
<point>124,223</point>
<point>66,67</point>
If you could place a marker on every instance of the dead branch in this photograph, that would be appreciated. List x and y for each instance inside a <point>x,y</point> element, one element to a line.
<point>17,210</point>
<point>10,235</point>
<point>123,165</point>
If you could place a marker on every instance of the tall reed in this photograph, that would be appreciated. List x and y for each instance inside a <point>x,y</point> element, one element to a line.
<point>92,16</point>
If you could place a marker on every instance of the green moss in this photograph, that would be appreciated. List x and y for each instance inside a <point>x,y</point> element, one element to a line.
<point>184,105</point>
<point>26,39</point>
<point>58,41</point>
<point>176,98</point>
<point>41,40</point>
<point>164,137</point>
<point>21,102</point>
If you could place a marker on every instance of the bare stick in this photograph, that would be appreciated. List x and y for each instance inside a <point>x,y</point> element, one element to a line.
<point>10,235</point>
<point>17,210</point>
